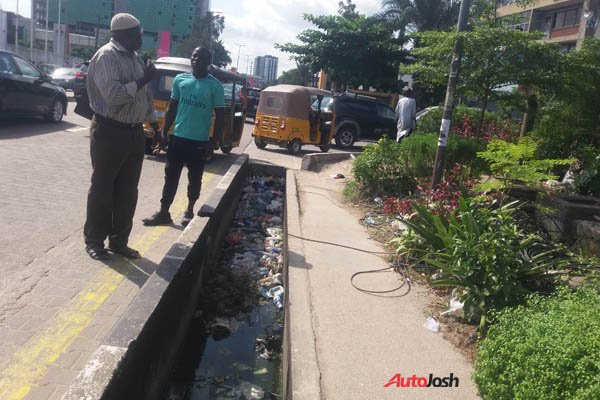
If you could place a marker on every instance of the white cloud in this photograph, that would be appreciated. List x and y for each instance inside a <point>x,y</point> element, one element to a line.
<point>259,24</point>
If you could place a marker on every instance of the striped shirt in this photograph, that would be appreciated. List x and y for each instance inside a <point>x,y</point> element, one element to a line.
<point>112,89</point>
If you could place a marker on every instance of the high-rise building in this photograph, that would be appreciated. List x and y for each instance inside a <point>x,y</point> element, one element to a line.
<point>85,17</point>
<point>266,67</point>
<point>566,22</point>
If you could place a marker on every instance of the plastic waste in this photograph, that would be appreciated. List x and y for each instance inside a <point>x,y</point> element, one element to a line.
<point>455,305</point>
<point>432,325</point>
<point>250,391</point>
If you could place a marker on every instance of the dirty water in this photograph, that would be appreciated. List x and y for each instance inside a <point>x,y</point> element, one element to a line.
<point>233,349</point>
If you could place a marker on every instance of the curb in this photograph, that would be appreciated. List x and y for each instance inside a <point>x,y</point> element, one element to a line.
<point>303,373</point>
<point>314,162</point>
<point>135,360</point>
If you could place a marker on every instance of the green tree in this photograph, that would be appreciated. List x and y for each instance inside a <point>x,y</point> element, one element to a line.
<point>492,58</point>
<point>420,15</point>
<point>352,48</point>
<point>291,77</point>
<point>206,32</point>
<point>83,52</point>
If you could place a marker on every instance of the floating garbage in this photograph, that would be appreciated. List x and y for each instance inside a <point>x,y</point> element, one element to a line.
<point>241,308</point>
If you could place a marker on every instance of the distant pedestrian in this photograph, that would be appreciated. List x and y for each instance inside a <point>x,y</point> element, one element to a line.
<point>121,101</point>
<point>406,112</point>
<point>193,98</point>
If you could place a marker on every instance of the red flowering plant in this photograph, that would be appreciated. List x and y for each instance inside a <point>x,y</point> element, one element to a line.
<point>490,129</point>
<point>441,200</point>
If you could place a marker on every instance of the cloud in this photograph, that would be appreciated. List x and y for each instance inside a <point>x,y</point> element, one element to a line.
<point>259,24</point>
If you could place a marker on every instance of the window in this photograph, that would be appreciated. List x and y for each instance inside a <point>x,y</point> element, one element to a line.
<point>566,18</point>
<point>274,102</point>
<point>385,112</point>
<point>6,64</point>
<point>26,68</point>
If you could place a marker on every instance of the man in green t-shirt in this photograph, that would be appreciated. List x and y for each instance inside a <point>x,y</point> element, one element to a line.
<point>193,98</point>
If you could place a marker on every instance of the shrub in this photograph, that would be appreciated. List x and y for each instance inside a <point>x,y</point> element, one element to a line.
<point>381,169</point>
<point>420,154</point>
<point>587,180</point>
<point>482,251</point>
<point>548,349</point>
<point>517,163</point>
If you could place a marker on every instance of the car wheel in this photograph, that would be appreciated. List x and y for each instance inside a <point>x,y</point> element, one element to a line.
<point>56,112</point>
<point>346,136</point>
<point>294,146</point>
<point>226,149</point>
<point>259,143</point>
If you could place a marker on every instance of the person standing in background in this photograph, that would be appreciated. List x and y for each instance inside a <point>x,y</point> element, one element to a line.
<point>406,112</point>
<point>121,102</point>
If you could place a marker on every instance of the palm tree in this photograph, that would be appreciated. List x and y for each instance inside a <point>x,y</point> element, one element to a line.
<point>419,15</point>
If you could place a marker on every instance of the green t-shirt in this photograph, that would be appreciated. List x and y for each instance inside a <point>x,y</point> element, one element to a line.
<point>197,99</point>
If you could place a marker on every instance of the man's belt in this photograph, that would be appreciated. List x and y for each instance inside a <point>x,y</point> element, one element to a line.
<point>108,121</point>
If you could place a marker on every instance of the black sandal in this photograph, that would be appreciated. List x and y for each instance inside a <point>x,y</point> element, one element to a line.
<point>97,252</point>
<point>126,252</point>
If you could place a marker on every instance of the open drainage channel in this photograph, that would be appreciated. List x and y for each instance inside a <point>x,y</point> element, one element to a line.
<point>234,345</point>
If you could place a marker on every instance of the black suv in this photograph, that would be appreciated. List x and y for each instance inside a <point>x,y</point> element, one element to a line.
<point>360,118</point>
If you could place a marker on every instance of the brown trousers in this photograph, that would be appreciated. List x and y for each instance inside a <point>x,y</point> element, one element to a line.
<point>117,154</point>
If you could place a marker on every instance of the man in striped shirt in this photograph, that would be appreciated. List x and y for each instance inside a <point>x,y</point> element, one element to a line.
<point>121,101</point>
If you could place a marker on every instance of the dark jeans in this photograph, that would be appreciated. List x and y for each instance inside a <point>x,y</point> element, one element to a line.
<point>183,152</point>
<point>117,154</point>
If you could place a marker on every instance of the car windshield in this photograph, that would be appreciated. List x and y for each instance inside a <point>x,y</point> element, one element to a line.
<point>64,72</point>
<point>228,87</point>
<point>326,104</point>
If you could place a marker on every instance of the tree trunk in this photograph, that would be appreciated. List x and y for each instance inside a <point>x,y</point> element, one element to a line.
<point>481,116</point>
<point>529,116</point>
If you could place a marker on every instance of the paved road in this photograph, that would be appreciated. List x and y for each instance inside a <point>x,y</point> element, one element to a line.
<point>56,304</point>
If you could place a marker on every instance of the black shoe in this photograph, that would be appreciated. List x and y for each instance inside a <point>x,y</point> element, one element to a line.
<point>187,217</point>
<point>158,218</point>
<point>97,252</point>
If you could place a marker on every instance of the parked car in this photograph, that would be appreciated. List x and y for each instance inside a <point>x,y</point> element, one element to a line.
<point>253,98</point>
<point>47,69</point>
<point>80,77</point>
<point>64,77</point>
<point>360,117</point>
<point>26,91</point>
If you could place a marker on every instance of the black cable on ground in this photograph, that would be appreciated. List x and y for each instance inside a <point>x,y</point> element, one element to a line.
<point>397,267</point>
<point>341,245</point>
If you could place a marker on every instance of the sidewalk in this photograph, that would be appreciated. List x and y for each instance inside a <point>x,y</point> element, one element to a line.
<point>346,344</point>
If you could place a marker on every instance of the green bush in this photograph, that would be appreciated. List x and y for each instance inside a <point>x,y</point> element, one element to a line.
<point>587,180</point>
<point>420,152</point>
<point>548,349</point>
<point>430,122</point>
<point>480,250</point>
<point>381,169</point>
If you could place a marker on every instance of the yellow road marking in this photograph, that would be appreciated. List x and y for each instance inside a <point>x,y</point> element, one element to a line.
<point>33,360</point>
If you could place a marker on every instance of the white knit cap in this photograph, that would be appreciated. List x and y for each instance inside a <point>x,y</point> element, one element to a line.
<point>123,21</point>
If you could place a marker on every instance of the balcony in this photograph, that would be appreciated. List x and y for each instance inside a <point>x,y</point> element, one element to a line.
<point>565,31</point>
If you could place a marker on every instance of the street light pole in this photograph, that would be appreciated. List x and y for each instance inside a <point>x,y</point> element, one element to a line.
<point>46,39</point>
<point>17,29</point>
<point>237,65</point>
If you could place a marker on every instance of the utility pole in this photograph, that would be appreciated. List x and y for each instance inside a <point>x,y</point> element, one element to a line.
<point>17,29</point>
<point>438,166</point>
<point>46,39</point>
<point>58,41</point>
<point>31,31</point>
<point>237,65</point>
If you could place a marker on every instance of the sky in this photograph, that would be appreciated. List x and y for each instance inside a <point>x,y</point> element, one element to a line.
<point>252,27</point>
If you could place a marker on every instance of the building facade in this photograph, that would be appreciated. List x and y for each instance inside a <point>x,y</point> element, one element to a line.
<point>86,24</point>
<point>266,67</point>
<point>566,22</point>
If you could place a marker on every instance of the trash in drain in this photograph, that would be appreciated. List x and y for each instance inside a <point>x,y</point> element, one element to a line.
<point>233,350</point>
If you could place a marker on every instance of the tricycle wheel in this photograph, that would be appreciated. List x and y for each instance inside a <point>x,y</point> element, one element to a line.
<point>294,146</point>
<point>325,148</point>
<point>226,149</point>
<point>259,143</point>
